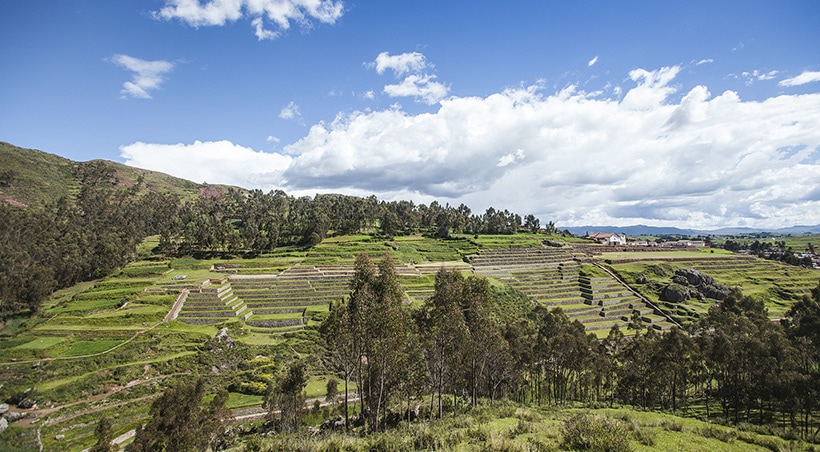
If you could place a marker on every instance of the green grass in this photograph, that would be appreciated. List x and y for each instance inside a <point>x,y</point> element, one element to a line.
<point>81,348</point>
<point>40,343</point>
<point>777,284</point>
<point>237,400</point>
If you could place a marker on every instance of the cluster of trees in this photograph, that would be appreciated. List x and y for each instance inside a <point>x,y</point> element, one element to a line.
<point>772,250</point>
<point>89,235</point>
<point>72,240</point>
<point>239,221</point>
<point>471,341</point>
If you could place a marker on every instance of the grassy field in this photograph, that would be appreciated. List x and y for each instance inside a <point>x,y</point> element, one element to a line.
<point>509,427</point>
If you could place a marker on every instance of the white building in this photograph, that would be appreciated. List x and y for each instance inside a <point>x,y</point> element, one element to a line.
<point>609,238</point>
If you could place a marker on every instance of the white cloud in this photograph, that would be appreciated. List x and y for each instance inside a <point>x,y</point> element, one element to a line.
<point>510,158</point>
<point>148,75</point>
<point>272,139</point>
<point>758,76</point>
<point>592,61</point>
<point>260,31</point>
<point>802,79</point>
<point>412,62</point>
<point>419,86</point>
<point>215,162</point>
<point>416,83</point>
<point>290,111</point>
<point>571,157</point>
<point>280,12</point>
<point>704,61</point>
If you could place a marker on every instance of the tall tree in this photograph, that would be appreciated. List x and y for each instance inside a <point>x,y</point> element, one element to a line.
<point>338,330</point>
<point>285,401</point>
<point>444,321</point>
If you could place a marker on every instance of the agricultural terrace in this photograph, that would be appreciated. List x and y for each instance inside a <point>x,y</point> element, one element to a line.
<point>108,345</point>
<point>779,285</point>
<point>554,277</point>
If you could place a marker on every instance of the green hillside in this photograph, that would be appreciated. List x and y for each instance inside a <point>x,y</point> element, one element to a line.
<point>34,178</point>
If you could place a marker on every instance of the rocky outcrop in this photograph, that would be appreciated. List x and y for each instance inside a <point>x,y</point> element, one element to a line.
<point>688,283</point>
<point>675,293</point>
<point>694,277</point>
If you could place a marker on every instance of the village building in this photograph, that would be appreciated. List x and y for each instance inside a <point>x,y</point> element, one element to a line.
<point>608,238</point>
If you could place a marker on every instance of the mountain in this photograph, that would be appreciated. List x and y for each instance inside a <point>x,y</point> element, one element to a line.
<point>30,177</point>
<point>640,229</point>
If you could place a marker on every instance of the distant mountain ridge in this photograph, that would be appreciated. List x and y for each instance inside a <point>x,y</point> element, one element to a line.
<point>640,229</point>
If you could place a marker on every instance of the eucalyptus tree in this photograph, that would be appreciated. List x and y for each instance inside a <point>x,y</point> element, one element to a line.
<point>802,325</point>
<point>370,335</point>
<point>443,320</point>
<point>285,400</point>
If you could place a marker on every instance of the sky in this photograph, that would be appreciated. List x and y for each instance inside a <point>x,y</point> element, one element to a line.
<point>696,114</point>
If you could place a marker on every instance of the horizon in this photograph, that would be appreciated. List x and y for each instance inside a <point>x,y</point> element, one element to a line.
<point>700,115</point>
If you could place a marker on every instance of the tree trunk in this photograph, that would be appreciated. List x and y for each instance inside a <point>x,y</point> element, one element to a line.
<point>347,412</point>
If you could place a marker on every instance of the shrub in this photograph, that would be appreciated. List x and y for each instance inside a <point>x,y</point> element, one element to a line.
<point>595,433</point>
<point>727,436</point>
<point>674,426</point>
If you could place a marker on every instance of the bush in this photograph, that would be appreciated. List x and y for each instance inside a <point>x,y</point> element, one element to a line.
<point>595,433</point>
<point>727,436</point>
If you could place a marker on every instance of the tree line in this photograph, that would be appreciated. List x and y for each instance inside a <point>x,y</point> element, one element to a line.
<point>777,251</point>
<point>474,342</point>
<point>95,231</point>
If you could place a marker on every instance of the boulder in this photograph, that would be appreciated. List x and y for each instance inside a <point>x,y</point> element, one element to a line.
<point>694,277</point>
<point>4,407</point>
<point>675,293</point>
<point>27,403</point>
<point>4,424</point>
<point>716,291</point>
<point>15,416</point>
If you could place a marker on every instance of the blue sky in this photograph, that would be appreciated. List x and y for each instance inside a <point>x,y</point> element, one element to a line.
<point>691,114</point>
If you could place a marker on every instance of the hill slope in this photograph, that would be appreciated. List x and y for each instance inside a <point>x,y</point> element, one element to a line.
<point>31,177</point>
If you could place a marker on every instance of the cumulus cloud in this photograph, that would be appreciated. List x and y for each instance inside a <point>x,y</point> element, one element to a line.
<point>215,162</point>
<point>661,155</point>
<point>147,75</point>
<point>422,87</point>
<point>802,79</point>
<point>279,12</point>
<point>410,69</point>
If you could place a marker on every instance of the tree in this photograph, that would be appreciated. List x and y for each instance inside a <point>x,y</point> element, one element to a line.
<point>532,224</point>
<point>344,355</point>
<point>484,340</point>
<point>802,325</point>
<point>447,330</point>
<point>179,422</point>
<point>105,436</point>
<point>331,390</point>
<point>285,401</point>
